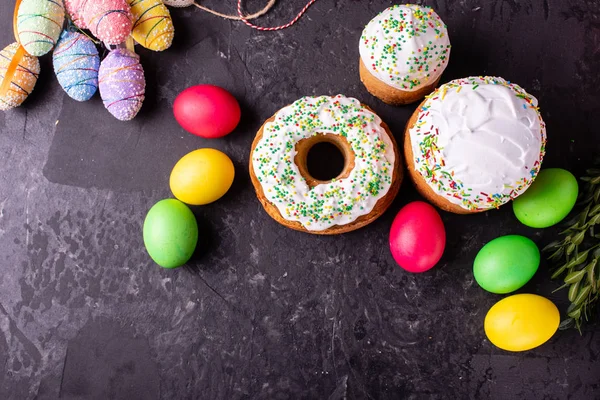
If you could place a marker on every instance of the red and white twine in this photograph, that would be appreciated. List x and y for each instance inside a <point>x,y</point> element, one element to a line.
<point>246,18</point>
<point>274,28</point>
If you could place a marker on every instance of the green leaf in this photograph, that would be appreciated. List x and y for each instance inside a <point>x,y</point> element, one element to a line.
<point>573,290</point>
<point>552,246</point>
<point>585,178</point>
<point>595,210</point>
<point>596,195</point>
<point>584,214</point>
<point>595,220</point>
<point>560,288</point>
<point>570,248</point>
<point>571,308</point>
<point>593,171</point>
<point>574,277</point>
<point>566,324</point>
<point>557,254</point>
<point>559,271</point>
<point>578,238</point>
<point>586,199</point>
<point>570,223</point>
<point>595,181</point>
<point>582,295</point>
<point>575,314</point>
<point>591,276</point>
<point>579,259</point>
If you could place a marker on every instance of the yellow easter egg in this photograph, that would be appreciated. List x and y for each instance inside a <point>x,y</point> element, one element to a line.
<point>521,322</point>
<point>152,24</point>
<point>18,75</point>
<point>202,176</point>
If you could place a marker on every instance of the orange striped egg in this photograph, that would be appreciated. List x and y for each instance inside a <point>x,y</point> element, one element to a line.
<point>152,24</point>
<point>39,24</point>
<point>23,79</point>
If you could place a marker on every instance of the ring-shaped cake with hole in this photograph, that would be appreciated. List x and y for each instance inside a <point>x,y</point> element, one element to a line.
<point>363,190</point>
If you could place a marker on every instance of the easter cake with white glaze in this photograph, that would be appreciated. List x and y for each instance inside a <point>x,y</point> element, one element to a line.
<point>475,144</point>
<point>403,52</point>
<point>364,189</point>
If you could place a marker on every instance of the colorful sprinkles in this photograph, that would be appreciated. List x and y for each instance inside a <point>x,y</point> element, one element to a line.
<point>340,201</point>
<point>429,156</point>
<point>405,46</point>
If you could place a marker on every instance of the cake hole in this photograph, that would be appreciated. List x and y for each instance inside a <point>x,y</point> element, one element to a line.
<point>325,161</point>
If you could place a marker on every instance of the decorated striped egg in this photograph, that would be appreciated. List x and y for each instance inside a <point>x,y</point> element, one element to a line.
<point>108,20</point>
<point>22,70</point>
<point>122,84</point>
<point>152,24</point>
<point>39,23</point>
<point>74,9</point>
<point>76,62</point>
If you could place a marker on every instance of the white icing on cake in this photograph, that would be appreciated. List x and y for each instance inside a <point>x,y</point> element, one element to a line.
<point>405,46</point>
<point>479,141</point>
<point>340,201</point>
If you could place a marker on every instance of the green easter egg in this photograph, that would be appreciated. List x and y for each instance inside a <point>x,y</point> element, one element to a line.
<point>549,199</point>
<point>39,24</point>
<point>170,233</point>
<point>506,264</point>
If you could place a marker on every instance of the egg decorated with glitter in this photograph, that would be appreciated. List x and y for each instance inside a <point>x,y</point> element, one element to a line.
<point>19,73</point>
<point>39,23</point>
<point>202,176</point>
<point>521,322</point>
<point>506,263</point>
<point>74,9</point>
<point>179,3</point>
<point>207,110</point>
<point>122,83</point>
<point>417,237</point>
<point>549,199</point>
<point>76,62</point>
<point>108,20</point>
<point>170,233</point>
<point>152,24</point>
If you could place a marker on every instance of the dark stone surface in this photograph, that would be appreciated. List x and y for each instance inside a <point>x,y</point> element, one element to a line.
<point>265,312</point>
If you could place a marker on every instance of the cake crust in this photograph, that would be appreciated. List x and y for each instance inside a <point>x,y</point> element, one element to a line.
<point>302,150</point>
<point>389,94</point>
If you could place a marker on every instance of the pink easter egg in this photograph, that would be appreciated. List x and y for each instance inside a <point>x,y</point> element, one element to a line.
<point>417,237</point>
<point>108,20</point>
<point>75,10</point>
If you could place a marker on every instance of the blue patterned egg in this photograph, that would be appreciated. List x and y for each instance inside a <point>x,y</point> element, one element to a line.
<point>76,63</point>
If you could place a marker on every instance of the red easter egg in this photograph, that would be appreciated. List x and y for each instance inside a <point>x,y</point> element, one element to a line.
<point>207,110</point>
<point>417,237</point>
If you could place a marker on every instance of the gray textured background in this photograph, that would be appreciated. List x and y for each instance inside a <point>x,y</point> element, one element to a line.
<point>262,311</point>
